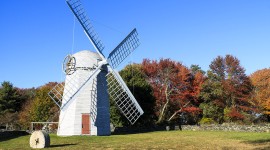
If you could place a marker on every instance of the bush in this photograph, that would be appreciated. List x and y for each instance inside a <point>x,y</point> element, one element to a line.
<point>207,121</point>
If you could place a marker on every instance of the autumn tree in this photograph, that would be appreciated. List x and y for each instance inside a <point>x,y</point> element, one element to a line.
<point>172,87</point>
<point>198,78</point>
<point>24,114</point>
<point>42,104</point>
<point>40,108</point>
<point>227,91</point>
<point>142,91</point>
<point>261,81</point>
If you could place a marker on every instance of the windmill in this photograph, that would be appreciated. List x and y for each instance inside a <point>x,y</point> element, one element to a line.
<point>90,78</point>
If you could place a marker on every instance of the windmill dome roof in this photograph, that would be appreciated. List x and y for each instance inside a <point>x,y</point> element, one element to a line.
<point>86,58</point>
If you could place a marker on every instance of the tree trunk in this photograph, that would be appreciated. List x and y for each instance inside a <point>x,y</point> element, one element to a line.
<point>164,108</point>
<point>175,113</point>
<point>6,126</point>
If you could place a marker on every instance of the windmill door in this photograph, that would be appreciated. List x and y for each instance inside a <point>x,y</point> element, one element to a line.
<point>85,124</point>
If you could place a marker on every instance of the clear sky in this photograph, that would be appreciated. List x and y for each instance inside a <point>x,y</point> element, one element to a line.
<point>36,35</point>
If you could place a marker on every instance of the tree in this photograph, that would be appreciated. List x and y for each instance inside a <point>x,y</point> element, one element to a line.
<point>39,107</point>
<point>172,87</point>
<point>196,68</point>
<point>227,91</point>
<point>8,98</point>
<point>190,110</point>
<point>261,81</point>
<point>24,114</point>
<point>42,104</point>
<point>212,95</point>
<point>238,91</point>
<point>9,104</point>
<point>142,91</point>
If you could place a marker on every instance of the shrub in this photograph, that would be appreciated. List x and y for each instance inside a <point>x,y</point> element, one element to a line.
<point>205,120</point>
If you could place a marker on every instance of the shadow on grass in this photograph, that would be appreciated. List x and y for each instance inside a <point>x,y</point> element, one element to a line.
<point>139,130</point>
<point>264,148</point>
<point>129,132</point>
<point>8,135</point>
<point>61,145</point>
<point>263,144</point>
<point>259,141</point>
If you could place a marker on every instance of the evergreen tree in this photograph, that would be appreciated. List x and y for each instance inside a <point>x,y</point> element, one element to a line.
<point>9,98</point>
<point>9,105</point>
<point>135,80</point>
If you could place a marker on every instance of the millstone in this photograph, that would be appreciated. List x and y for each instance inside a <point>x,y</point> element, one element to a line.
<point>39,139</point>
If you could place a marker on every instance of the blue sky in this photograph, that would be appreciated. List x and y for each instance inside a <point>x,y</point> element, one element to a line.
<point>35,36</point>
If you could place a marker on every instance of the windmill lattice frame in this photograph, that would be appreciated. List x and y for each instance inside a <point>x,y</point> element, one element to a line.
<point>117,88</point>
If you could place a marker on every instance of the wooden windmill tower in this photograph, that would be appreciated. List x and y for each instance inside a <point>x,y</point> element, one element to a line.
<point>90,81</point>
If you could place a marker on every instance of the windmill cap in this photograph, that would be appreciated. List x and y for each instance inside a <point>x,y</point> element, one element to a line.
<point>86,58</point>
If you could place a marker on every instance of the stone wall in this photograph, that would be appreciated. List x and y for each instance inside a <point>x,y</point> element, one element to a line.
<point>212,127</point>
<point>229,127</point>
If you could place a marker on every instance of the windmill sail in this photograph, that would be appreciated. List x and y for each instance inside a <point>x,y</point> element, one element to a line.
<point>78,10</point>
<point>72,87</point>
<point>93,106</point>
<point>122,97</point>
<point>130,43</point>
<point>56,94</point>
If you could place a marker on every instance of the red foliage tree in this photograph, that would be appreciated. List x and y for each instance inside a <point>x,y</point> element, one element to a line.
<point>236,88</point>
<point>174,86</point>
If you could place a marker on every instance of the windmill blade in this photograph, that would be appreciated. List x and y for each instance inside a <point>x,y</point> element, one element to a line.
<point>56,93</point>
<point>62,93</point>
<point>79,12</point>
<point>123,98</point>
<point>93,106</point>
<point>129,44</point>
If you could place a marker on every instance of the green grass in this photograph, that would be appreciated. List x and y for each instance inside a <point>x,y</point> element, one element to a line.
<point>154,140</point>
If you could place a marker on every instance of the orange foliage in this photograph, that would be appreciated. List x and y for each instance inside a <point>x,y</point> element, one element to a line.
<point>261,81</point>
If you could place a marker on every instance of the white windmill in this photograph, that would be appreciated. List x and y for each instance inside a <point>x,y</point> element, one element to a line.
<point>90,79</point>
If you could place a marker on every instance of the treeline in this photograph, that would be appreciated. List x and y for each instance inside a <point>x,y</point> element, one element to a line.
<point>19,107</point>
<point>168,92</point>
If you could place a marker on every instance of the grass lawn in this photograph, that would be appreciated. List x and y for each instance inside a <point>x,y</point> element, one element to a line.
<point>185,140</point>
